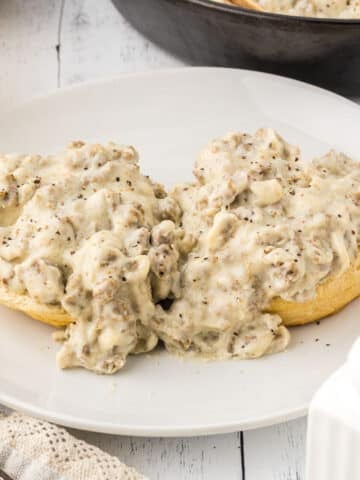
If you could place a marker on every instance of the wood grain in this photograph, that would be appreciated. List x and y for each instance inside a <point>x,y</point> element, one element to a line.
<point>276,453</point>
<point>28,38</point>
<point>200,458</point>
<point>97,42</point>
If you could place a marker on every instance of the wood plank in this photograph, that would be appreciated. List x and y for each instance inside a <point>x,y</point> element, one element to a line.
<point>198,458</point>
<point>28,38</point>
<point>96,41</point>
<point>276,453</point>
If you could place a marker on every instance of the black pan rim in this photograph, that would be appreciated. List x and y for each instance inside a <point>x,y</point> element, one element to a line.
<point>212,5</point>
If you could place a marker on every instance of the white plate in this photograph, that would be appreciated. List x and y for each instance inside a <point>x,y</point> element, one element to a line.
<point>169,116</point>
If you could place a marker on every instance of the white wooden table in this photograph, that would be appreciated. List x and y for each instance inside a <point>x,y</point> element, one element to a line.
<point>46,44</point>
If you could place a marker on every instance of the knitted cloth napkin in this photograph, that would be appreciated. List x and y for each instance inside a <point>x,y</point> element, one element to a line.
<point>31,449</point>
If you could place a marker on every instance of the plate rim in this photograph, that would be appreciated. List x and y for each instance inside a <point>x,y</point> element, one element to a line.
<point>154,431</point>
<point>109,79</point>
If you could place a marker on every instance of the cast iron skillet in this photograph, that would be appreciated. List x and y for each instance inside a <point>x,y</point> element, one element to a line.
<point>321,51</point>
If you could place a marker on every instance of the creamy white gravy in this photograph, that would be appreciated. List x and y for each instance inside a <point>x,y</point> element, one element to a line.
<point>266,227</point>
<point>314,8</point>
<point>85,230</point>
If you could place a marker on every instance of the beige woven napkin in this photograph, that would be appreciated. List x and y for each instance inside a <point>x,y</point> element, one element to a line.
<point>31,449</point>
